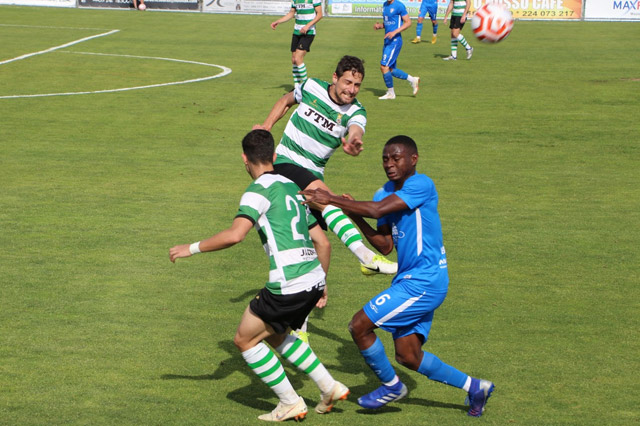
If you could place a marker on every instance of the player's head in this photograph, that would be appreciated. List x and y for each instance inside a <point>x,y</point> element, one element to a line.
<point>350,63</point>
<point>257,147</point>
<point>399,158</point>
<point>347,80</point>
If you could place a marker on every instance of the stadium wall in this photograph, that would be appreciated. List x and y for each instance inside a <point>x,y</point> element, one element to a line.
<point>566,10</point>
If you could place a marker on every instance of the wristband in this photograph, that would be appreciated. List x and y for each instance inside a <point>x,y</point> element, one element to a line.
<point>194,248</point>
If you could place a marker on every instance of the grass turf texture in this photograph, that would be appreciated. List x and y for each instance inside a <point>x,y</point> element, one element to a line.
<point>533,145</point>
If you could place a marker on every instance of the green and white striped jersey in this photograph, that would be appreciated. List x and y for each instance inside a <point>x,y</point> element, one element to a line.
<point>316,127</point>
<point>272,203</point>
<point>305,13</point>
<point>458,7</point>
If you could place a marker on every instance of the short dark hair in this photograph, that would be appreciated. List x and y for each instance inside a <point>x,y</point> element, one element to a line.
<point>350,63</point>
<point>406,141</point>
<point>257,145</point>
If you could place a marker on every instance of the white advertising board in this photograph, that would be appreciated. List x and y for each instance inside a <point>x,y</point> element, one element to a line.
<point>268,7</point>
<point>51,3</point>
<point>621,10</point>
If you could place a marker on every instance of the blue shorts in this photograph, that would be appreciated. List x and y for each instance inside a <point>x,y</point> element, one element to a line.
<point>428,7</point>
<point>404,308</point>
<point>390,51</point>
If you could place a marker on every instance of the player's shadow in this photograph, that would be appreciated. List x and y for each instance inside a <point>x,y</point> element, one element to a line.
<point>376,92</point>
<point>350,361</point>
<point>254,395</point>
<point>440,55</point>
<point>287,87</point>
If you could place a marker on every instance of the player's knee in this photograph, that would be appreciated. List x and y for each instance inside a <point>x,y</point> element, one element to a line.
<point>240,343</point>
<point>408,360</point>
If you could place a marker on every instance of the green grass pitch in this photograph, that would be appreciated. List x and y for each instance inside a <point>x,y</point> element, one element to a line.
<point>533,146</point>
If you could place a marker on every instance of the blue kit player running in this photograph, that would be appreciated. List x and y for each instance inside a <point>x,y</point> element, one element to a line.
<point>407,213</point>
<point>427,7</point>
<point>396,19</point>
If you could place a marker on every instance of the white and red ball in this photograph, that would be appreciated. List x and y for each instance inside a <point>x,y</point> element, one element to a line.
<point>142,7</point>
<point>492,22</point>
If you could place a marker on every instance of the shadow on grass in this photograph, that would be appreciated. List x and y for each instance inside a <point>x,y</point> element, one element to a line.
<point>258,396</point>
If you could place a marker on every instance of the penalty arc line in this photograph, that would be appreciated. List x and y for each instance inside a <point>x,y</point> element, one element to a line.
<point>225,71</point>
<point>62,46</point>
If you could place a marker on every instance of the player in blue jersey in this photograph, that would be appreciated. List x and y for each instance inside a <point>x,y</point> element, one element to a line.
<point>427,7</point>
<point>407,211</point>
<point>396,19</point>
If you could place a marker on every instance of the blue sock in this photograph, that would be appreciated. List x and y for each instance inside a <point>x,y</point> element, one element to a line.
<point>437,370</point>
<point>399,74</point>
<point>377,360</point>
<point>388,79</point>
<point>419,29</point>
<point>435,29</point>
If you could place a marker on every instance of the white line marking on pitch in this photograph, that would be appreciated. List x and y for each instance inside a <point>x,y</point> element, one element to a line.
<point>62,46</point>
<point>225,71</point>
<point>50,27</point>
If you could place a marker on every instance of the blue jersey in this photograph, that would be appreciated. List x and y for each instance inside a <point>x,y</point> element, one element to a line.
<point>417,233</point>
<point>392,14</point>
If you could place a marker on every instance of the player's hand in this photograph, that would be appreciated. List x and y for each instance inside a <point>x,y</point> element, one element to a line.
<point>322,302</point>
<point>318,196</point>
<point>274,24</point>
<point>390,35</point>
<point>463,19</point>
<point>353,146</point>
<point>304,29</point>
<point>378,26</point>
<point>179,251</point>
<point>348,197</point>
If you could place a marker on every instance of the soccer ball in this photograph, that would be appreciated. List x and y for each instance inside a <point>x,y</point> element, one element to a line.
<point>492,23</point>
<point>142,7</point>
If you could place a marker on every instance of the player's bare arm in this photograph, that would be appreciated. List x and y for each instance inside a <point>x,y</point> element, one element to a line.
<point>285,18</point>
<point>222,240</point>
<point>315,20</point>
<point>353,145</point>
<point>277,112</point>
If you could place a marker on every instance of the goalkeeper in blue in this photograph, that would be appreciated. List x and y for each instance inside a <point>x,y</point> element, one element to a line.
<point>407,214</point>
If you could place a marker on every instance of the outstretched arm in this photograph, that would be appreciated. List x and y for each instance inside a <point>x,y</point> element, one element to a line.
<point>380,238</point>
<point>318,17</point>
<point>222,240</point>
<point>277,112</point>
<point>285,18</point>
<point>353,145</point>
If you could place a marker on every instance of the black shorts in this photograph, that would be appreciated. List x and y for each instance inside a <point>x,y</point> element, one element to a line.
<point>301,42</point>
<point>286,311</point>
<point>455,22</point>
<point>303,178</point>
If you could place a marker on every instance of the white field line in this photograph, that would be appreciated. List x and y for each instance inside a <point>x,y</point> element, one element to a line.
<point>55,28</point>
<point>62,46</point>
<point>225,71</point>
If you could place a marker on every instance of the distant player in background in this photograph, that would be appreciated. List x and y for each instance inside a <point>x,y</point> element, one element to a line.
<point>427,7</point>
<point>307,13</point>
<point>407,211</point>
<point>297,250</point>
<point>458,10</point>
<point>395,20</point>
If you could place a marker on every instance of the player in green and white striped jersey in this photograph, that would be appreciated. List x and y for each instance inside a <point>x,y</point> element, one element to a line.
<point>458,10</point>
<point>298,253</point>
<point>328,116</point>
<point>307,14</point>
